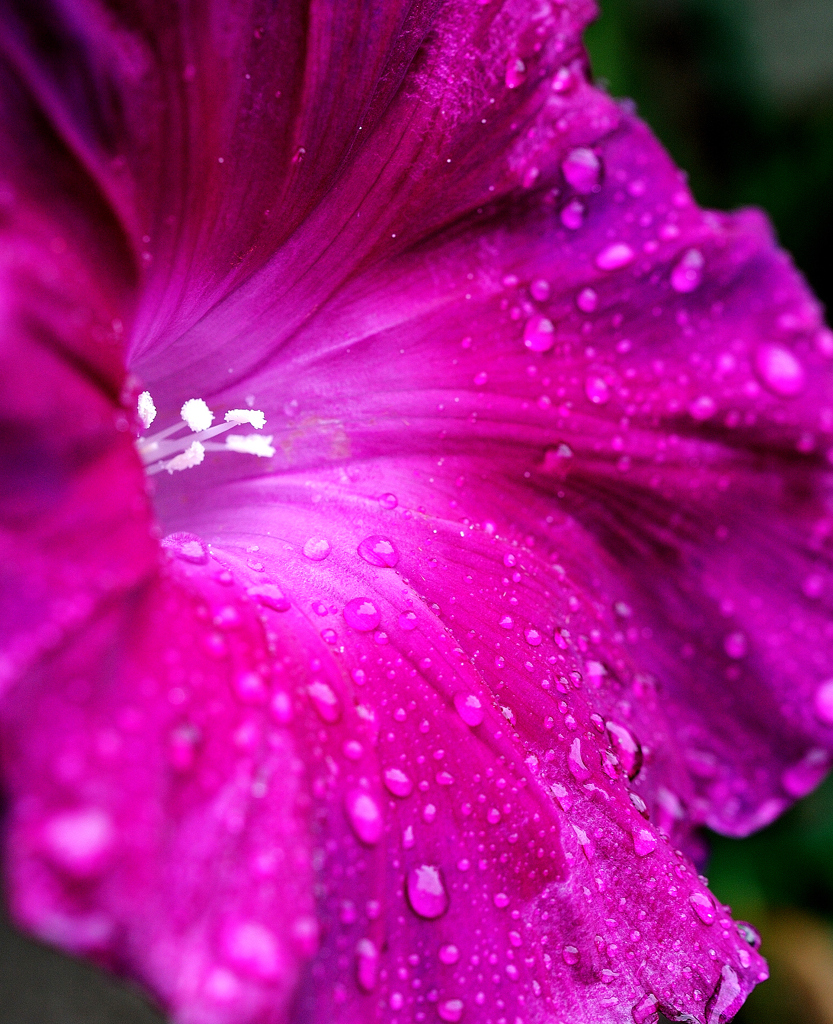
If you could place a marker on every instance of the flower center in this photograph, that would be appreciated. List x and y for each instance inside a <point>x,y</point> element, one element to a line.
<point>165,450</point>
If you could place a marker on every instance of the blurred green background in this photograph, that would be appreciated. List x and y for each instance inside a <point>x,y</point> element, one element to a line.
<point>741,93</point>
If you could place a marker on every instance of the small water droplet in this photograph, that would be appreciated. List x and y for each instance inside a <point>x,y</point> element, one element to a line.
<point>469,708</point>
<point>539,334</point>
<point>615,256</point>
<point>186,546</point>
<point>506,622</point>
<point>253,949</point>
<point>587,300</point>
<point>735,645</point>
<point>365,816</point>
<point>702,408</point>
<point>644,842</point>
<point>367,964</point>
<point>379,551</point>
<point>780,370</point>
<point>597,390</point>
<point>316,548</point>
<point>749,934</point>
<point>426,891</point>
<point>801,778</point>
<point>80,841</point>
<point>626,747</point>
<point>533,637</point>
<point>182,747</point>
<point>397,783</point>
<point>396,1001</point>
<point>500,900</point>
<point>362,614</point>
<point>270,596</point>
<point>582,169</point>
<point>408,620</point>
<point>515,73</point>
<point>451,1010</point>
<point>281,707</point>
<point>388,501</point>
<point>570,955</point>
<point>688,272</point>
<point>325,702</point>
<point>540,290</point>
<point>572,215</point>
<point>250,687</point>
<point>449,954</point>
<point>823,702</point>
<point>481,378</point>
<point>577,767</point>
<point>703,907</point>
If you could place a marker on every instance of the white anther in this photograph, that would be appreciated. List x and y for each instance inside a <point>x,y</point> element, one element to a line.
<point>146,409</point>
<point>254,417</point>
<point>196,414</point>
<point>251,444</point>
<point>192,456</point>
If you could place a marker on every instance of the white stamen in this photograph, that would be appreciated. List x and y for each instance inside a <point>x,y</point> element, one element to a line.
<point>196,414</point>
<point>251,444</point>
<point>146,409</point>
<point>192,456</point>
<point>254,417</point>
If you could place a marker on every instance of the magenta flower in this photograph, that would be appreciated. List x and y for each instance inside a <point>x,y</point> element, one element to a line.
<point>496,516</point>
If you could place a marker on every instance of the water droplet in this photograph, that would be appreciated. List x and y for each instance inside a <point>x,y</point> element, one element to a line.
<point>702,408</point>
<point>646,1011</point>
<point>572,215</point>
<point>325,701</point>
<point>481,378</point>
<point>577,767</point>
<point>426,891</point>
<point>316,548</point>
<point>186,546</point>
<point>626,747</point>
<point>367,964</point>
<point>469,708</point>
<point>182,747</point>
<point>253,948</point>
<point>614,256</point>
<point>365,816</point>
<point>799,779</point>
<point>749,934</point>
<point>688,273</point>
<point>451,1010</point>
<point>362,614</point>
<point>570,955</point>
<point>397,783</point>
<point>780,370</point>
<point>500,900</point>
<point>597,390</point>
<point>727,997</point>
<point>506,622</point>
<point>587,300</point>
<point>270,596</point>
<point>396,1001</point>
<point>408,621</point>
<point>582,169</point>
<point>449,954</point>
<point>533,637</point>
<point>644,842</point>
<point>539,334</point>
<point>329,636</point>
<point>388,501</point>
<point>540,290</point>
<point>378,551</point>
<point>515,73</point>
<point>823,702</point>
<point>703,906</point>
<point>281,707</point>
<point>80,841</point>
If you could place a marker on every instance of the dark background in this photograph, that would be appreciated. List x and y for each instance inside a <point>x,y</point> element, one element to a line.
<point>741,93</point>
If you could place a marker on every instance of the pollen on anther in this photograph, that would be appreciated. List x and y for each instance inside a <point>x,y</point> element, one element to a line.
<point>251,444</point>
<point>146,409</point>
<point>254,417</point>
<point>196,414</point>
<point>192,456</point>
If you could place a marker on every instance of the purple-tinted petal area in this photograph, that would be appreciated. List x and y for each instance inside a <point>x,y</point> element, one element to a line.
<point>159,805</point>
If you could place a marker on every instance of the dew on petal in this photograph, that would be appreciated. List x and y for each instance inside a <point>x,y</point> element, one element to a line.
<point>449,954</point>
<point>469,707</point>
<point>626,747</point>
<point>281,707</point>
<point>614,256</point>
<point>577,767</point>
<point>316,548</point>
<point>780,370</point>
<point>408,620</point>
<point>250,687</point>
<point>823,702</point>
<point>187,547</point>
<point>703,907</point>
<point>688,272</point>
<point>253,949</point>
<point>365,816</point>
<point>362,614</point>
<point>597,390</point>
<point>270,596</point>
<point>426,891</point>
<point>570,955</point>
<point>540,289</point>
<point>533,637</point>
<point>644,842</point>
<point>515,73</point>
<point>539,334</point>
<point>379,551</point>
<point>325,702</point>
<point>572,215</point>
<point>367,964</point>
<point>587,300</point>
<point>801,778</point>
<point>388,500</point>
<point>397,783</point>
<point>582,169</point>
<point>702,408</point>
<point>749,934</point>
<point>735,645</point>
<point>500,900</point>
<point>80,841</point>
<point>646,1011</point>
<point>451,1010</point>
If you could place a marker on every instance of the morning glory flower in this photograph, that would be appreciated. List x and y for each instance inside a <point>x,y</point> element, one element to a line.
<point>415,518</point>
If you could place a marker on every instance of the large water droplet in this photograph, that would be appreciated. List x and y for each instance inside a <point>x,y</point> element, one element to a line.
<point>325,701</point>
<point>426,891</point>
<point>688,273</point>
<point>703,907</point>
<point>397,783</point>
<point>469,708</point>
<point>539,334</point>
<point>365,816</point>
<point>367,964</point>
<point>582,169</point>
<point>378,551</point>
<point>626,747</point>
<point>780,370</point>
<point>362,614</point>
<point>270,596</point>
<point>577,767</point>
<point>316,548</point>
<point>614,256</point>
<point>186,546</point>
